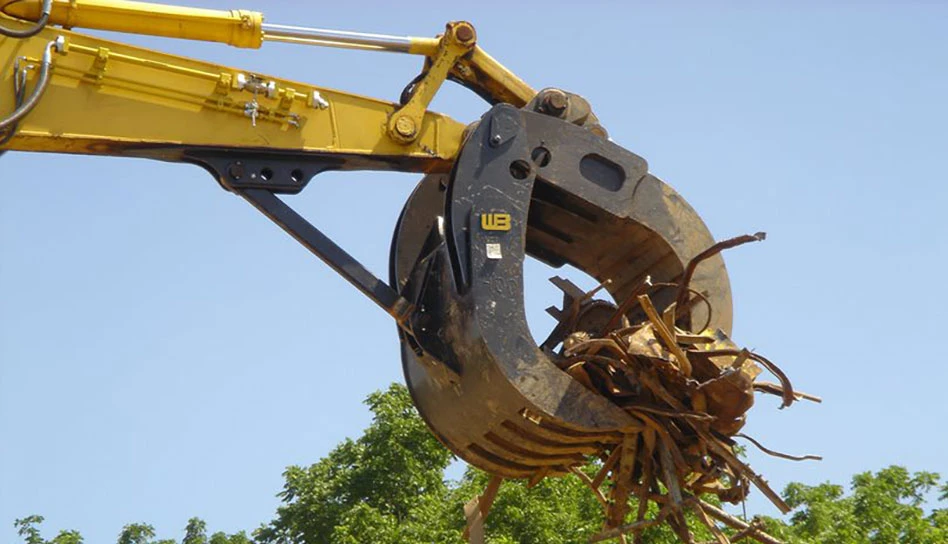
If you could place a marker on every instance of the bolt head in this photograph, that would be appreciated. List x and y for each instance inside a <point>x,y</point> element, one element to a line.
<point>236,170</point>
<point>405,126</point>
<point>555,102</point>
<point>464,33</point>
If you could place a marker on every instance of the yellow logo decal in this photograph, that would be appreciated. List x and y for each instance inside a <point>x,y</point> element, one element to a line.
<point>495,221</point>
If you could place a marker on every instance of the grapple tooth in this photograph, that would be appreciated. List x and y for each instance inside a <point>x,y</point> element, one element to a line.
<point>591,204</point>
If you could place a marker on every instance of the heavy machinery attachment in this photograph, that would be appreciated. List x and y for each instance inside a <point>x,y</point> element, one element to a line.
<point>527,183</point>
<point>648,383</point>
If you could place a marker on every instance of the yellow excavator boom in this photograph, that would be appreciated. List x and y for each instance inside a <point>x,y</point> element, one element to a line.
<point>164,87</point>
<point>108,98</point>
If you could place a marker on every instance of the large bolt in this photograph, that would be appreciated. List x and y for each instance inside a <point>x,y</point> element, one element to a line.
<point>554,102</point>
<point>236,170</point>
<point>405,126</point>
<point>464,33</point>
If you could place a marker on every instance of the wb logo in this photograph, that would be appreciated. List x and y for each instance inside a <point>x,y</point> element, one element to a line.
<point>495,221</point>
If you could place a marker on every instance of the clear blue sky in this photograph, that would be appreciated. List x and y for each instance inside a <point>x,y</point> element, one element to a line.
<point>165,351</point>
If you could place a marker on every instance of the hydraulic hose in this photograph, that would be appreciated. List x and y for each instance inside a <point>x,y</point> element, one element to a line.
<point>35,29</point>
<point>24,107</point>
<point>19,93</point>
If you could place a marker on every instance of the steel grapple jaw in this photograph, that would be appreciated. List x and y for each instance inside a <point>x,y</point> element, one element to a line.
<point>526,183</point>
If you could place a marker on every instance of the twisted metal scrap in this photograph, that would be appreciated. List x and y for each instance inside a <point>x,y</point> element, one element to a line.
<point>690,390</point>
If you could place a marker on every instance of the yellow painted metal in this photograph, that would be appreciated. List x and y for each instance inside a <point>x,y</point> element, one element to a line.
<point>424,46</point>
<point>243,29</point>
<point>240,28</point>
<point>458,39</point>
<point>482,71</point>
<point>160,99</point>
<point>107,98</point>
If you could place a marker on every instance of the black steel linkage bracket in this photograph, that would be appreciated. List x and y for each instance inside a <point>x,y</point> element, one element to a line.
<point>259,176</point>
<point>329,252</point>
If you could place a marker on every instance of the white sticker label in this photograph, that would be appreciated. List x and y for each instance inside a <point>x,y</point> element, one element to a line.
<point>494,252</point>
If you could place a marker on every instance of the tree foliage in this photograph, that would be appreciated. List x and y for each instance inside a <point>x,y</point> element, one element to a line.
<point>136,533</point>
<point>388,487</point>
<point>28,528</point>
<point>388,483</point>
<point>330,501</point>
<point>884,508</point>
<point>195,532</point>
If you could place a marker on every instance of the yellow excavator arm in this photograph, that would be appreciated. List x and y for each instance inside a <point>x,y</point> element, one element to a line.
<point>649,383</point>
<point>103,97</point>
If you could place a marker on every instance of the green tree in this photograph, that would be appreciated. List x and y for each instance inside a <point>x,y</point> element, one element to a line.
<point>521,514</point>
<point>884,508</point>
<point>133,533</point>
<point>236,538</point>
<point>136,533</point>
<point>383,486</point>
<point>889,506</point>
<point>28,528</point>
<point>195,532</point>
<point>388,487</point>
<point>67,537</point>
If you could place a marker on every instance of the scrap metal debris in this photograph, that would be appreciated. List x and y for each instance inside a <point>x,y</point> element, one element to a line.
<point>690,389</point>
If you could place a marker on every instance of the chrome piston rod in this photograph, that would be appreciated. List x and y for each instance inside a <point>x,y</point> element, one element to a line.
<point>335,38</point>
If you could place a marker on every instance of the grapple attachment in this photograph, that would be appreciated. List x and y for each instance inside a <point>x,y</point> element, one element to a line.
<point>526,183</point>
